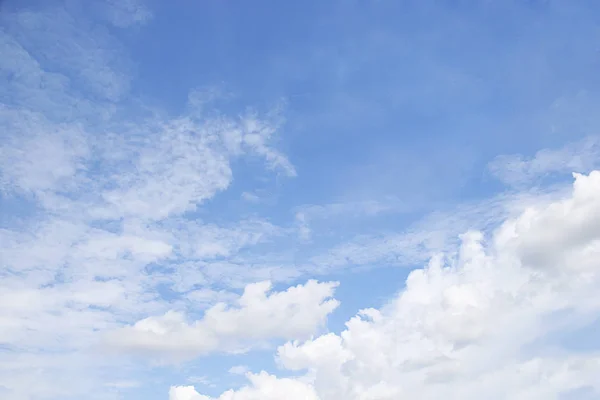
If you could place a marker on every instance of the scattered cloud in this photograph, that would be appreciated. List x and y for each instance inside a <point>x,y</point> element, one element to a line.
<point>251,197</point>
<point>107,210</point>
<point>258,133</point>
<point>62,147</point>
<point>262,387</point>
<point>428,235</point>
<point>238,370</point>
<point>517,170</point>
<point>259,316</point>
<point>81,59</point>
<point>210,241</point>
<point>185,393</point>
<point>478,320</point>
<point>202,380</point>
<point>121,226</point>
<point>97,190</point>
<point>124,384</point>
<point>304,230</point>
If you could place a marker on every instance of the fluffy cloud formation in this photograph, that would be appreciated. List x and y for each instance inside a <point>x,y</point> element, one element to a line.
<point>485,321</point>
<point>296,313</point>
<point>262,387</point>
<point>116,205</point>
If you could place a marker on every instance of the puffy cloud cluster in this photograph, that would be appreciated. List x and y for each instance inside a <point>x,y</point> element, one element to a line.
<point>262,387</point>
<point>296,313</point>
<point>484,322</point>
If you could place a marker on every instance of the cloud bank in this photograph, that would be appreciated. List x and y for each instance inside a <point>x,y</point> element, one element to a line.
<point>487,319</point>
<point>256,317</point>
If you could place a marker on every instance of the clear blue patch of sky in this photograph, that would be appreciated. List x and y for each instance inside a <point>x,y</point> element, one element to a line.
<point>383,98</point>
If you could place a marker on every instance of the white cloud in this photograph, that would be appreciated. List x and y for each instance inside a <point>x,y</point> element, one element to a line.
<point>185,393</point>
<point>516,170</point>
<point>94,188</point>
<point>477,322</point>
<point>91,58</point>
<point>203,380</point>
<point>210,241</point>
<point>104,212</point>
<point>34,88</point>
<point>178,165</point>
<point>258,316</point>
<point>166,168</point>
<point>313,219</point>
<point>102,186</point>
<point>124,384</point>
<point>62,148</point>
<point>258,134</point>
<point>238,370</point>
<point>56,270</point>
<point>434,233</point>
<point>304,230</point>
<point>250,197</point>
<point>262,387</point>
<point>235,273</point>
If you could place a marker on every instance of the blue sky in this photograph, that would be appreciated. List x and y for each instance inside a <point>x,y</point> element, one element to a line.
<point>197,199</point>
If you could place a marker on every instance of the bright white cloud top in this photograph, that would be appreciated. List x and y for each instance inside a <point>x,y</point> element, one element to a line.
<point>296,313</point>
<point>482,320</point>
<point>299,200</point>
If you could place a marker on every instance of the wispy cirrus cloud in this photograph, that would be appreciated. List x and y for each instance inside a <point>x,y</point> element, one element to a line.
<point>105,201</point>
<point>519,171</point>
<point>126,13</point>
<point>120,215</point>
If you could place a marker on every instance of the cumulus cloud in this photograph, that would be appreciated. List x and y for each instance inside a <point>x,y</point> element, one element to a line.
<point>262,387</point>
<point>481,321</point>
<point>258,316</point>
<point>185,393</point>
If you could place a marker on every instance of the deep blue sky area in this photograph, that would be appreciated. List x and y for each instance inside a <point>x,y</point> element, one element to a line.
<point>384,82</point>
